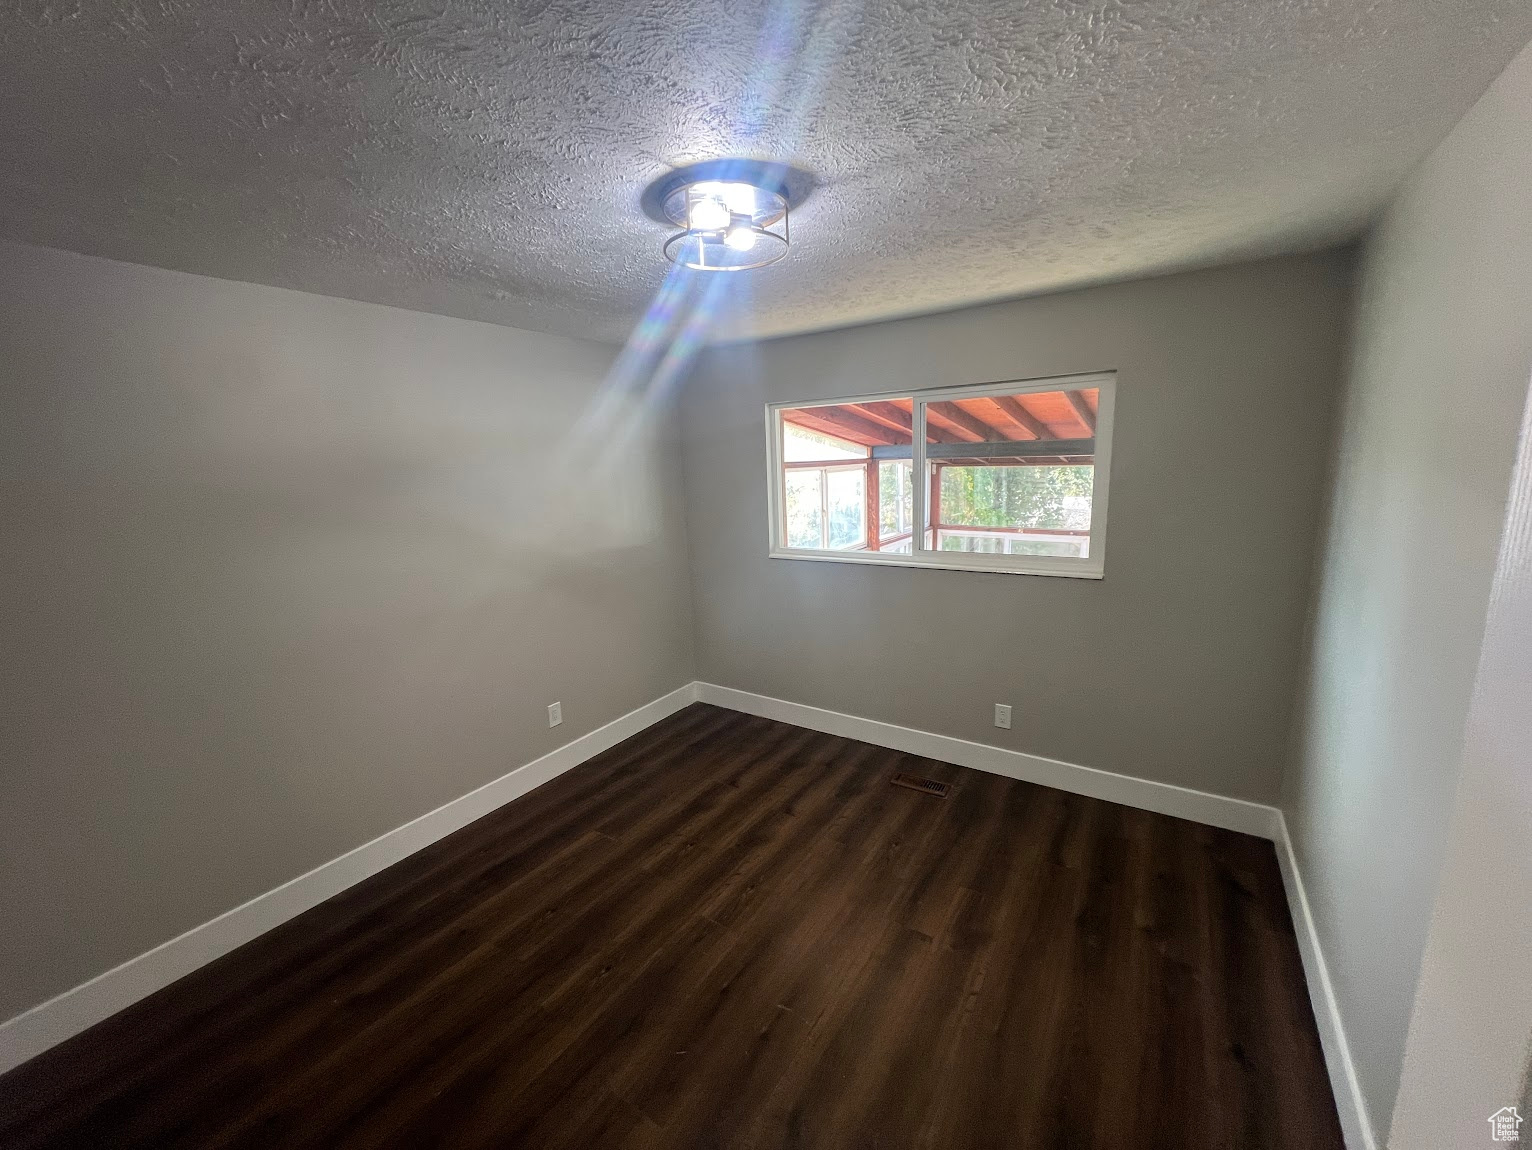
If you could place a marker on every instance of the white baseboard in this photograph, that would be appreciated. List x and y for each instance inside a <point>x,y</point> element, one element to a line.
<point>51,1022</point>
<point>68,1014</point>
<point>1162,798</point>
<point>1355,1123</point>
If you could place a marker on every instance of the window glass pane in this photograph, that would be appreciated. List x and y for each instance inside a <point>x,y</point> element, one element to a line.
<point>847,500</point>
<point>805,510</point>
<point>1008,473</point>
<point>831,435</point>
<point>1013,474</point>
<point>896,502</point>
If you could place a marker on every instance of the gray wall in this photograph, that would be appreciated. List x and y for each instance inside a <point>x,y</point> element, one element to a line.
<point>1439,374</point>
<point>1181,665</point>
<point>1470,1046</point>
<point>280,573</point>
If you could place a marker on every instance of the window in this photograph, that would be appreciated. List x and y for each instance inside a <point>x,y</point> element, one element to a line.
<point>1013,477</point>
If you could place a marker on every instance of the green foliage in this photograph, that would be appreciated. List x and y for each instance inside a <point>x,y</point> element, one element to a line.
<point>893,498</point>
<point>1014,496</point>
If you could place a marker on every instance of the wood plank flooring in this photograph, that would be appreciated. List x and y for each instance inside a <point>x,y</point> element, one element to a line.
<point>729,932</point>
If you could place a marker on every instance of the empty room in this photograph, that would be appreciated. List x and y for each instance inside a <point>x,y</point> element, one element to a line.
<point>802,573</point>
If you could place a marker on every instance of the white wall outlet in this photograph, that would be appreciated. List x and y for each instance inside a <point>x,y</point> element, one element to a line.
<point>555,714</point>
<point>1003,715</point>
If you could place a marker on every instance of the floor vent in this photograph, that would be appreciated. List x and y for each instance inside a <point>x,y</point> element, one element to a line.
<point>916,783</point>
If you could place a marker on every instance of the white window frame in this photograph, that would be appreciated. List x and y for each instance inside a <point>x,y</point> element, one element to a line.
<point>824,469</point>
<point>1092,566</point>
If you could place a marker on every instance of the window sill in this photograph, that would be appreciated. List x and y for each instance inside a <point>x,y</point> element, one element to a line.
<point>991,564</point>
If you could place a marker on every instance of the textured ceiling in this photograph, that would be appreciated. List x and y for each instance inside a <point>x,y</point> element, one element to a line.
<point>486,159</point>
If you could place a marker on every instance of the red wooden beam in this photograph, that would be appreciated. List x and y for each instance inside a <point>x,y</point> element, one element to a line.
<point>1013,408</point>
<point>965,423</point>
<point>889,415</point>
<point>1081,405</point>
<point>893,416</point>
<point>845,424</point>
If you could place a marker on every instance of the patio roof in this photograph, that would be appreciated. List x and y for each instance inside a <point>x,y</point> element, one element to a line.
<point>1045,427</point>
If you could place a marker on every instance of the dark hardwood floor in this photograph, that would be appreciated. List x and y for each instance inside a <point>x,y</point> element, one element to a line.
<point>731,932</point>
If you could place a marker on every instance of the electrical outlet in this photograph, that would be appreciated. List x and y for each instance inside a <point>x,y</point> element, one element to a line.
<point>555,714</point>
<point>1003,715</point>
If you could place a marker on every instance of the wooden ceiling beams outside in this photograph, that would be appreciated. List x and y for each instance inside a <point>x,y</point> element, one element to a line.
<point>1011,406</point>
<point>844,423</point>
<point>890,415</point>
<point>957,419</point>
<point>990,421</point>
<point>1082,408</point>
<point>868,424</point>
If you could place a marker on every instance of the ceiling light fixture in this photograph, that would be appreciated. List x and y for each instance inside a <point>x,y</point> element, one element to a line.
<point>728,225</point>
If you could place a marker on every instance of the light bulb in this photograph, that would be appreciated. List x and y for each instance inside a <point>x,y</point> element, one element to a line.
<point>728,225</point>
<point>739,197</point>
<point>709,215</point>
